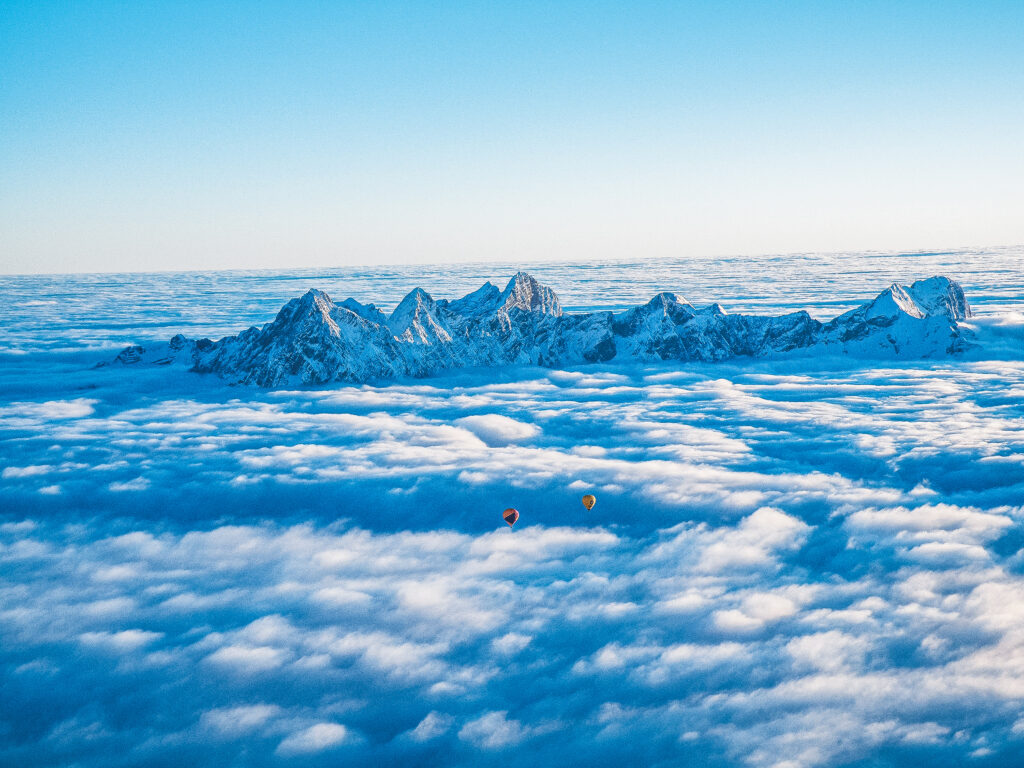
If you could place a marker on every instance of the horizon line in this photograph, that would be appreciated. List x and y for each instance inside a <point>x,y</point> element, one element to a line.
<point>534,260</point>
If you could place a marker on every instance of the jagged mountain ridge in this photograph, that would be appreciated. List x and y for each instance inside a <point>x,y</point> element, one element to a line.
<point>315,341</point>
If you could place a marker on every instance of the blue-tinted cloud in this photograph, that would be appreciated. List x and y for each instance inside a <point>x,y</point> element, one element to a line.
<point>785,566</point>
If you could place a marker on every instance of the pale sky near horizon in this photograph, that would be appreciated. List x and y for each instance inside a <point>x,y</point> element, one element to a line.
<point>156,136</point>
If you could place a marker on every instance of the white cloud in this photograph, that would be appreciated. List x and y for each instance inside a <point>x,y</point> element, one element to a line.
<point>829,651</point>
<point>138,484</point>
<point>235,722</point>
<point>315,738</point>
<point>126,641</point>
<point>494,730</point>
<point>496,430</point>
<point>248,659</point>
<point>510,643</point>
<point>430,727</point>
<point>779,570</point>
<point>754,542</point>
<point>10,473</point>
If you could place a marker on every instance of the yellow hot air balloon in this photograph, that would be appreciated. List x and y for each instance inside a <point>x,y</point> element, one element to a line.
<point>589,501</point>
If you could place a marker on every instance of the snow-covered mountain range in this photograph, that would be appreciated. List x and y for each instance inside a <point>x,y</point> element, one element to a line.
<point>314,340</point>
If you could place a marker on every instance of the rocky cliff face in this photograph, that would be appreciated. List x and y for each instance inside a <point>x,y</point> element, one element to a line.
<point>315,341</point>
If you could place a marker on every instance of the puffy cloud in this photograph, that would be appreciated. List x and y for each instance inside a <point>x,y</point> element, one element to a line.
<point>126,641</point>
<point>248,659</point>
<point>754,541</point>
<point>13,472</point>
<point>494,730</point>
<point>431,726</point>
<point>315,738</point>
<point>829,651</point>
<point>235,722</point>
<point>495,429</point>
<point>787,565</point>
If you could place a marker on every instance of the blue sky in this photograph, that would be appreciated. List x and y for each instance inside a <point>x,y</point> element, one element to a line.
<point>181,136</point>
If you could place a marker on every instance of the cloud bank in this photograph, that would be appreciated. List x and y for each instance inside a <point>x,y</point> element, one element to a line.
<point>786,566</point>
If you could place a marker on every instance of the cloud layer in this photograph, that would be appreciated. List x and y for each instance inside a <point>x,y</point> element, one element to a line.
<point>786,566</point>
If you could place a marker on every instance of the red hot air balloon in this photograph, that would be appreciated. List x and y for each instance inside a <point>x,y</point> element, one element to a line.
<point>510,516</point>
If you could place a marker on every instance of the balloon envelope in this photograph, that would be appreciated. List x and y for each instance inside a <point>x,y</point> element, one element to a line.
<point>589,501</point>
<point>510,516</point>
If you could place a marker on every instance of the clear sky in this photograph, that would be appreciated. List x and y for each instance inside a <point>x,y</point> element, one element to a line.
<point>148,135</point>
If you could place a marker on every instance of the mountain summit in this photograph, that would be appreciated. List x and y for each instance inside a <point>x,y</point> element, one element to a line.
<point>315,341</point>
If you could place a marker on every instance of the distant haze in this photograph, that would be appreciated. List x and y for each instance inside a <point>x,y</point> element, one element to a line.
<point>166,136</point>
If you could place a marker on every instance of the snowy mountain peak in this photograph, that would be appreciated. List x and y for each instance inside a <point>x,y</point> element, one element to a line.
<point>525,293</point>
<point>937,298</point>
<point>414,301</point>
<point>366,311</point>
<point>892,301</point>
<point>314,297</point>
<point>668,304</point>
<point>314,341</point>
<point>310,310</point>
<point>484,300</point>
<point>416,319</point>
<point>940,295</point>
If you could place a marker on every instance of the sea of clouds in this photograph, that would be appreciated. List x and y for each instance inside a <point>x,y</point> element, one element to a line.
<point>800,563</point>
